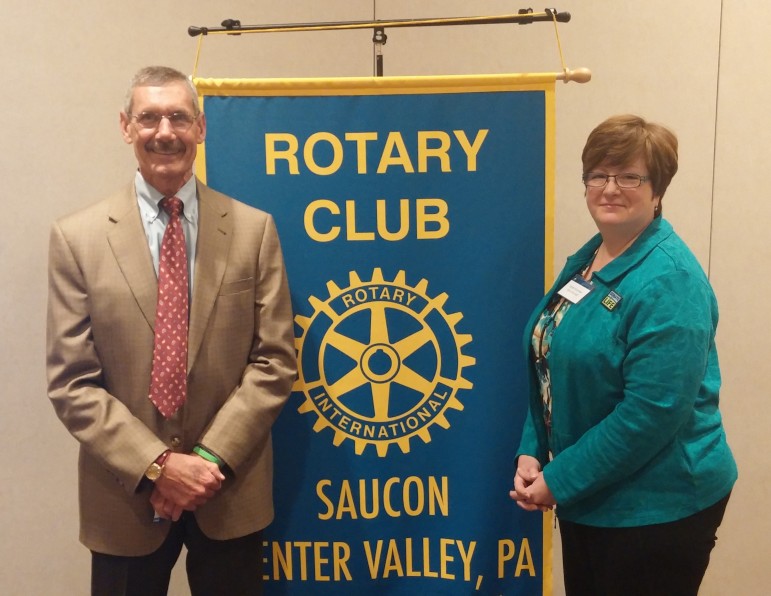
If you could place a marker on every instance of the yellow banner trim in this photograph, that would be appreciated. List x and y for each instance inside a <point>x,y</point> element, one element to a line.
<point>375,85</point>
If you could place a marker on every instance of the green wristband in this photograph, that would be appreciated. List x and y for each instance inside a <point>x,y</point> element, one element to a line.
<point>198,450</point>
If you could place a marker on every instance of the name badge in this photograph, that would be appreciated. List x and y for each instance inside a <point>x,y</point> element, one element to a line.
<point>576,289</point>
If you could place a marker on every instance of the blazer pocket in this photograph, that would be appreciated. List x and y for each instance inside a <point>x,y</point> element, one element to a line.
<point>236,287</point>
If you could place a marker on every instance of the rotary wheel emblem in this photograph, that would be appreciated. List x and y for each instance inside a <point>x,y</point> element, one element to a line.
<point>380,362</point>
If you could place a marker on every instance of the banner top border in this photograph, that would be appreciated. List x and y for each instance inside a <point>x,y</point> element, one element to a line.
<point>376,85</point>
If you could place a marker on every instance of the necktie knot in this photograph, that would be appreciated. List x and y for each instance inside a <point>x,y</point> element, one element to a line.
<point>172,205</point>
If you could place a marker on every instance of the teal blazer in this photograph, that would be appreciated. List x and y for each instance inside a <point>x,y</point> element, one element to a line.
<point>637,437</point>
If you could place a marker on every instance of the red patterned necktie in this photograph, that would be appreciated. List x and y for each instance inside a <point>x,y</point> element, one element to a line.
<point>168,386</point>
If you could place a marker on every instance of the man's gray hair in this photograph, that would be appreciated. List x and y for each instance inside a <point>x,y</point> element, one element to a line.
<point>158,76</point>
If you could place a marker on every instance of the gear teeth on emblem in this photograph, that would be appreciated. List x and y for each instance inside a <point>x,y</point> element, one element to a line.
<point>380,368</point>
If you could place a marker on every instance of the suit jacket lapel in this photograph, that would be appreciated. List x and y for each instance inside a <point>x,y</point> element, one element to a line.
<point>215,229</point>
<point>129,246</point>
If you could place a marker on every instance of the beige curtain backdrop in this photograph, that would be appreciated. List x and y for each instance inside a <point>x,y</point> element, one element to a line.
<point>700,67</point>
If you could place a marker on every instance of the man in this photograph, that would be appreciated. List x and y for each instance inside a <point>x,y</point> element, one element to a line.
<point>170,456</point>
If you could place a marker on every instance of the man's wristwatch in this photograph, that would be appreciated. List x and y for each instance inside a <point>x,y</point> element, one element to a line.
<point>155,470</point>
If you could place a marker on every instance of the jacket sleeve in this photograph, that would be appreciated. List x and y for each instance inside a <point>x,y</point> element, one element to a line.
<point>670,331</point>
<point>530,443</point>
<point>102,424</point>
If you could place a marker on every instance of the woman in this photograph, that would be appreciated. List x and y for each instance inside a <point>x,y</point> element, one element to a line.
<point>624,435</point>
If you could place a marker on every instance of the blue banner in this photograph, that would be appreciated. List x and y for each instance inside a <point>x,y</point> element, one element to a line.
<point>415,219</point>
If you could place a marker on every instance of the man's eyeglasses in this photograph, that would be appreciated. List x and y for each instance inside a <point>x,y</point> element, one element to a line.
<point>598,180</point>
<point>179,121</point>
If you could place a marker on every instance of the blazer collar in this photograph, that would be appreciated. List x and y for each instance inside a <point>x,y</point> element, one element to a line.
<point>215,234</point>
<point>127,240</point>
<point>129,246</point>
<point>656,232</point>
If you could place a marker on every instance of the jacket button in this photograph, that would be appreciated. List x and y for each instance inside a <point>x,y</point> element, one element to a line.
<point>175,443</point>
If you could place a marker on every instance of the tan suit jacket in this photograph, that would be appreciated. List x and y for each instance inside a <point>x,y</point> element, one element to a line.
<point>241,364</point>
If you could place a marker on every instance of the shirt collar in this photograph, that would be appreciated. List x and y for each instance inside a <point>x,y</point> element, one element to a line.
<point>149,199</point>
<point>658,230</point>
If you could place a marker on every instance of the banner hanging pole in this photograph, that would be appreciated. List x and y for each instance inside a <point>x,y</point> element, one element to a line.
<point>524,17</point>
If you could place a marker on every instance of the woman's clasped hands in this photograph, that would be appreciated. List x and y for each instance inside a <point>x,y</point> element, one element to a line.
<point>530,489</point>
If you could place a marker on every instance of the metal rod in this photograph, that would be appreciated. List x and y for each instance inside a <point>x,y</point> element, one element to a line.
<point>379,38</point>
<point>234,27</point>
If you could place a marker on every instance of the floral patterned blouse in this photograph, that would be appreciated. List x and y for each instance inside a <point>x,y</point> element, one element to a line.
<point>542,335</point>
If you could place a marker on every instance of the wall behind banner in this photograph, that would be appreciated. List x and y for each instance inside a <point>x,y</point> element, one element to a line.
<point>699,67</point>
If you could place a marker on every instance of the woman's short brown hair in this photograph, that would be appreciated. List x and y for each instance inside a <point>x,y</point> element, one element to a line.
<point>620,140</point>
